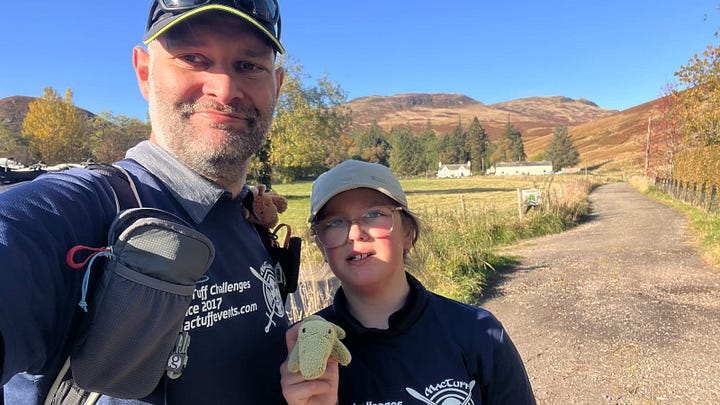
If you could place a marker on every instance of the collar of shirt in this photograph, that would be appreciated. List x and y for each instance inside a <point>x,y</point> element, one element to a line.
<point>196,194</point>
<point>400,321</point>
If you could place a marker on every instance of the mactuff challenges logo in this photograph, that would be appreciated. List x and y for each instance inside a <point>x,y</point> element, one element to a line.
<point>447,392</point>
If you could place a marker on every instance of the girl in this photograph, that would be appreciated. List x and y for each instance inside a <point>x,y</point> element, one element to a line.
<point>408,345</point>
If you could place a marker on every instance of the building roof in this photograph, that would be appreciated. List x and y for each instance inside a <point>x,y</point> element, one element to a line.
<point>513,164</point>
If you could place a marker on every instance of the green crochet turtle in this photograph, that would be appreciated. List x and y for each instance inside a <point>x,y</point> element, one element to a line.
<point>317,340</point>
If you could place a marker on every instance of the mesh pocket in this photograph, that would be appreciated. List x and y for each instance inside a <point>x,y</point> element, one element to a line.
<point>137,308</point>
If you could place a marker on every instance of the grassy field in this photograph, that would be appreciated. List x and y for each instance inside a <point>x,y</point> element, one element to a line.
<point>463,221</point>
<point>430,196</point>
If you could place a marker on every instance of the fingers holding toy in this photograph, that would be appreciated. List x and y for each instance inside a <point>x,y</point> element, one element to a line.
<point>298,390</point>
<point>320,391</point>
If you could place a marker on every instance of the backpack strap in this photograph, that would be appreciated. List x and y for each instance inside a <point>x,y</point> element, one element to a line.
<point>63,390</point>
<point>123,186</point>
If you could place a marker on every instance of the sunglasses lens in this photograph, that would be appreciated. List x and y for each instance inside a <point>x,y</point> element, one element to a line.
<point>181,4</point>
<point>263,9</point>
<point>265,12</point>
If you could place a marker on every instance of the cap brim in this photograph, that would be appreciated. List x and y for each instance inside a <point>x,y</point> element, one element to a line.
<point>160,27</point>
<point>349,187</point>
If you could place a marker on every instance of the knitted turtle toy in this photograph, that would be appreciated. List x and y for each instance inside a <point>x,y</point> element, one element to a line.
<point>317,340</point>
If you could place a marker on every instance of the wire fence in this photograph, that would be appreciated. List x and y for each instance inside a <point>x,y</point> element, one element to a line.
<point>700,195</point>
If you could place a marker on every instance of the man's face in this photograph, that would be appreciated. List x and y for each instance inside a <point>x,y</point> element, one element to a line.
<point>211,87</point>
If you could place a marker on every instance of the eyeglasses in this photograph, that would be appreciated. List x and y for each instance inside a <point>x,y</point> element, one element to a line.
<point>378,222</point>
<point>266,11</point>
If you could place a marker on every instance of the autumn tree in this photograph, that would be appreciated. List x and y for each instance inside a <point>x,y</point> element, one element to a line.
<point>477,143</point>
<point>308,133</point>
<point>55,129</point>
<point>561,151</point>
<point>665,133</point>
<point>699,101</point>
<point>112,135</point>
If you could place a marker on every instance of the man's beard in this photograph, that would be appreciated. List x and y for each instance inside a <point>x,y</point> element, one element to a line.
<point>224,163</point>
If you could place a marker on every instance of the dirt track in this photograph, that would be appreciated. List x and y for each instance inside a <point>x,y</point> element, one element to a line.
<point>620,310</point>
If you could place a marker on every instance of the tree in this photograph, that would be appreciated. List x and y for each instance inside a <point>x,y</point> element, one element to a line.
<point>429,140</point>
<point>112,135</point>
<point>372,145</point>
<point>477,141</point>
<point>8,145</point>
<point>665,134</point>
<point>407,155</point>
<point>561,151</point>
<point>307,133</point>
<point>54,128</point>
<point>453,147</point>
<point>699,102</point>
<point>510,148</point>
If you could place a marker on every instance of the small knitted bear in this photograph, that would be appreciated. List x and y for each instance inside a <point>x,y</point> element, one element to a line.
<point>267,205</point>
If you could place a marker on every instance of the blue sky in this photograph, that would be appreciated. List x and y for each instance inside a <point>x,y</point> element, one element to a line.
<point>617,53</point>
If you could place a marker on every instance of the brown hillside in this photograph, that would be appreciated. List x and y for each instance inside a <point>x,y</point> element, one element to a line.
<point>532,116</point>
<point>607,139</point>
<point>612,143</point>
<point>13,111</point>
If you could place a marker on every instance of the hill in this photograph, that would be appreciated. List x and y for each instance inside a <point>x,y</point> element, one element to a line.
<point>612,143</point>
<point>605,138</point>
<point>531,115</point>
<point>13,111</point>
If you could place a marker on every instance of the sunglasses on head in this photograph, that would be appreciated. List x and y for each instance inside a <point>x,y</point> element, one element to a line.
<point>266,11</point>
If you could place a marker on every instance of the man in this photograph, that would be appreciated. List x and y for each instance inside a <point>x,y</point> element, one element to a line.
<point>209,76</point>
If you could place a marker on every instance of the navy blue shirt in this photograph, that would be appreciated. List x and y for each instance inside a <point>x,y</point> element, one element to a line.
<point>235,321</point>
<point>435,351</point>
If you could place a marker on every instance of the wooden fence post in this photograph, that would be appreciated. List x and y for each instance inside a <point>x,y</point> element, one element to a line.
<point>520,203</point>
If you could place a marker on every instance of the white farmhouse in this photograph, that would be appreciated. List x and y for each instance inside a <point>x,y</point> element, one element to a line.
<point>522,168</point>
<point>458,170</point>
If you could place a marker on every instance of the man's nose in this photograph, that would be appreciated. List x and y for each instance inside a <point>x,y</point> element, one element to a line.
<point>220,85</point>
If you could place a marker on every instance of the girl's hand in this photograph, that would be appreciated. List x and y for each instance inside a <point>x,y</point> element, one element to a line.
<point>299,391</point>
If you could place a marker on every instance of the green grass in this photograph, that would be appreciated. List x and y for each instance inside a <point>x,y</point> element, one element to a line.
<point>432,196</point>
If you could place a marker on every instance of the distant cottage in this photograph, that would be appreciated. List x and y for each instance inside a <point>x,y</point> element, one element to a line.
<point>458,170</point>
<point>521,168</point>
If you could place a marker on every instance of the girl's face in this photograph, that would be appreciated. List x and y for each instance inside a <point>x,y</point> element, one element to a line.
<point>364,263</point>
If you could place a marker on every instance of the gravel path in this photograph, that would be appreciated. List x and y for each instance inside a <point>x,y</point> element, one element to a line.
<point>620,310</point>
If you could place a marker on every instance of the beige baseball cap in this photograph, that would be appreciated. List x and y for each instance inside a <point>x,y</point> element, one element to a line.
<point>352,174</point>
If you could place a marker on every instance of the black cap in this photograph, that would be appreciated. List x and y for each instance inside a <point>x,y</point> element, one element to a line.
<point>161,20</point>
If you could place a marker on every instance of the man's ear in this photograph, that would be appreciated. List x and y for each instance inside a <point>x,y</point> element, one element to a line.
<point>141,63</point>
<point>279,77</point>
